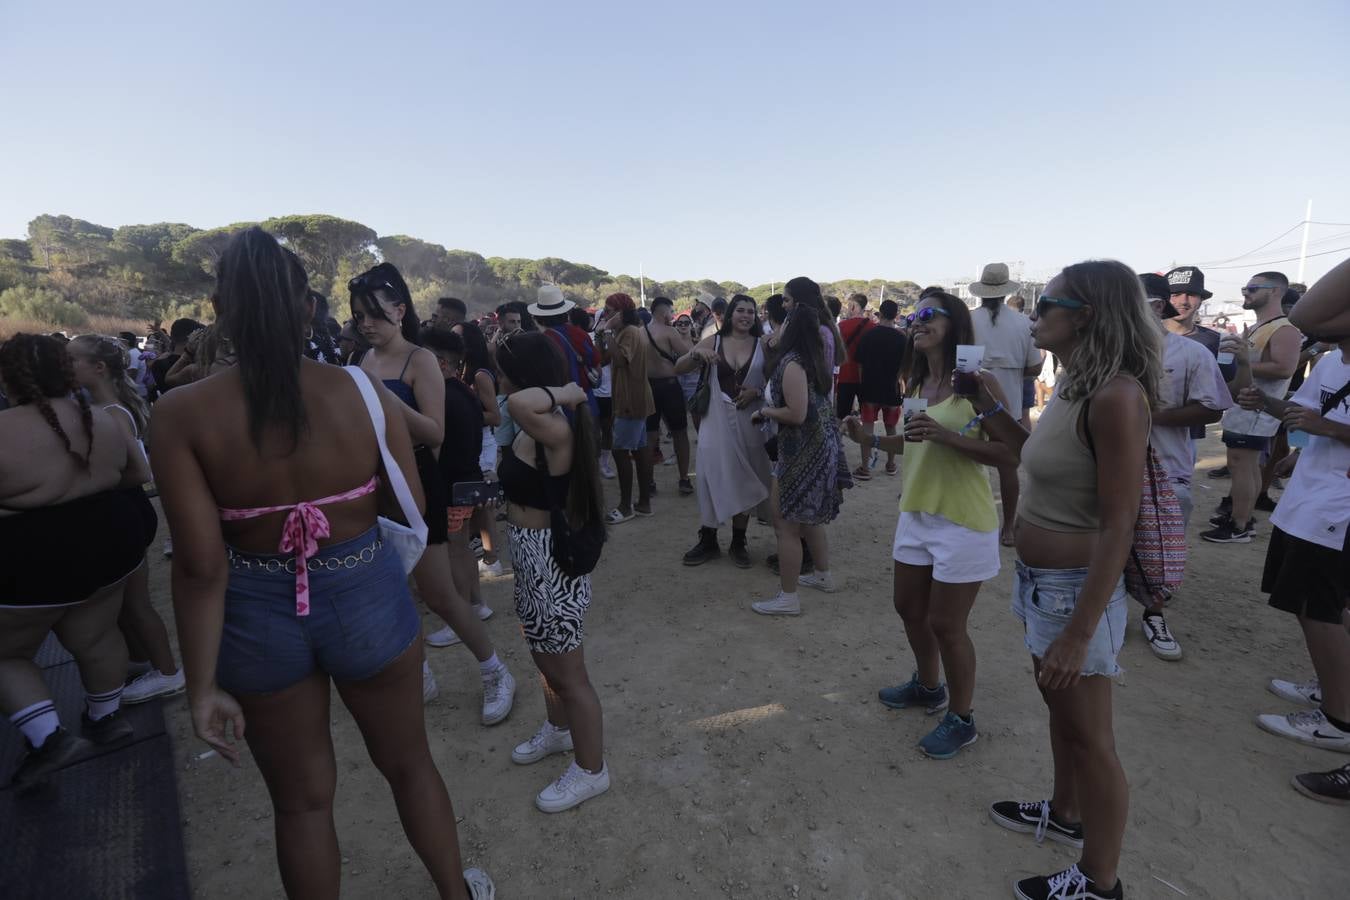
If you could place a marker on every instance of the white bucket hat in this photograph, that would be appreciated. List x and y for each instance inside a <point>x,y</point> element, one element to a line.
<point>550,302</point>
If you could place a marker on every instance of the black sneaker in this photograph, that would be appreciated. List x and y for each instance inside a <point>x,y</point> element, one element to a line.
<point>686,486</point>
<point>1265,504</point>
<point>1070,883</point>
<point>705,549</point>
<point>1220,472</point>
<point>1225,507</point>
<point>61,749</point>
<point>1329,787</point>
<point>1036,818</point>
<point>1228,532</point>
<point>108,730</point>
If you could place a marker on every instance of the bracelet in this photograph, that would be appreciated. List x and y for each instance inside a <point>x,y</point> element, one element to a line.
<point>998,408</point>
<point>551,399</point>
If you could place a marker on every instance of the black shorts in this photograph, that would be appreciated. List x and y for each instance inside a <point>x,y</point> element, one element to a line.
<point>437,497</point>
<point>1246,441</point>
<point>669,399</point>
<point>1307,579</point>
<point>604,408</point>
<point>844,395</point>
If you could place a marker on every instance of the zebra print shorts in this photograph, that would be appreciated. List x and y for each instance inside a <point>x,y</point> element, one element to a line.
<point>550,605</point>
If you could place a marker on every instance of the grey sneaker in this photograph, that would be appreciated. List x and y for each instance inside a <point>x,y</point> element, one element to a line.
<point>479,884</point>
<point>913,693</point>
<point>545,742</point>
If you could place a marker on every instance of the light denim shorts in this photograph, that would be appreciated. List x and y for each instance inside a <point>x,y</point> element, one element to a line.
<point>1044,599</point>
<point>630,434</point>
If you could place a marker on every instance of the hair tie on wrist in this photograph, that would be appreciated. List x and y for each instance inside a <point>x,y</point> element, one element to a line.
<point>551,399</point>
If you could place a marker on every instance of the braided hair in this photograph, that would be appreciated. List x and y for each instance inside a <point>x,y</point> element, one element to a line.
<point>35,369</point>
<point>113,354</point>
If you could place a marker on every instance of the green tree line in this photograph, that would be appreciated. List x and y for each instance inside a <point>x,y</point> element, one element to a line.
<point>68,269</point>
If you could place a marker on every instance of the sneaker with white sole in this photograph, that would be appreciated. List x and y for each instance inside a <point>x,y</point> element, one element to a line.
<point>606,467</point>
<point>1328,787</point>
<point>1159,637</point>
<point>443,637</point>
<point>573,788</point>
<point>429,689</point>
<point>1309,693</point>
<point>1307,727</point>
<point>821,581</point>
<point>479,884</point>
<point>1038,819</point>
<point>1071,884</point>
<point>548,740</point>
<point>476,547</point>
<point>778,605</point>
<point>499,692</point>
<point>484,611</point>
<point>489,570</point>
<point>154,684</point>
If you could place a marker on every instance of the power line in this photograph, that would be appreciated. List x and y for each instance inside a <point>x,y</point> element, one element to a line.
<point>1212,263</point>
<point>1344,224</point>
<point>1271,262</point>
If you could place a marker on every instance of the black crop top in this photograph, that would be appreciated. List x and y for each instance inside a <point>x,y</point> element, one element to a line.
<point>526,485</point>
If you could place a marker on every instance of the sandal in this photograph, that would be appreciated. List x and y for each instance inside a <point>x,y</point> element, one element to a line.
<point>646,515</point>
<point>861,474</point>
<point>892,468</point>
<point>616,517</point>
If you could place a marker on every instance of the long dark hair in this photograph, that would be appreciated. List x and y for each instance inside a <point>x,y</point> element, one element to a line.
<point>385,277</point>
<point>755,328</point>
<point>532,359</point>
<point>476,355</point>
<point>805,292</point>
<point>960,330</point>
<point>801,335</point>
<point>36,369</point>
<point>262,292</point>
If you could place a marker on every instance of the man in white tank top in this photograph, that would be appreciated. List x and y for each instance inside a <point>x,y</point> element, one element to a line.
<point>1247,433</point>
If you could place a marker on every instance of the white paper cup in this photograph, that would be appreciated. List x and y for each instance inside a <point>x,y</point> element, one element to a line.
<point>913,406</point>
<point>1225,358</point>
<point>969,357</point>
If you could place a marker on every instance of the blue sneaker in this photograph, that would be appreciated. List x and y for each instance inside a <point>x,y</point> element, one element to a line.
<point>949,736</point>
<point>934,700</point>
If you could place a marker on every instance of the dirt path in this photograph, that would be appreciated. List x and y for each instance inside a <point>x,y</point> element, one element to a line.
<point>751,759</point>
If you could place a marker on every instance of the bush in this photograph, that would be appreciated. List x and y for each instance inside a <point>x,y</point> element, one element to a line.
<point>22,301</point>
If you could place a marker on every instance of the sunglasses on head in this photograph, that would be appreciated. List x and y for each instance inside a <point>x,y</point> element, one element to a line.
<point>926,314</point>
<point>1044,304</point>
<point>365,284</point>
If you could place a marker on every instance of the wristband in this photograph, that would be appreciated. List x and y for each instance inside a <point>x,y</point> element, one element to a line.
<point>552,401</point>
<point>876,442</point>
<point>998,408</point>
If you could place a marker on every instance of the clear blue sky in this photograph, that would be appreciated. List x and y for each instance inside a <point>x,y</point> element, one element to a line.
<point>750,141</point>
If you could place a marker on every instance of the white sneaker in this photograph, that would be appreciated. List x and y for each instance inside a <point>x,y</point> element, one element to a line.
<point>484,611</point>
<point>490,570</point>
<point>1159,638</point>
<point>445,637</point>
<point>479,884</point>
<point>1307,727</point>
<point>547,741</point>
<point>778,605</point>
<point>818,580</point>
<point>1309,693</point>
<point>429,689</point>
<point>499,692</point>
<point>153,684</point>
<point>606,467</point>
<point>575,787</point>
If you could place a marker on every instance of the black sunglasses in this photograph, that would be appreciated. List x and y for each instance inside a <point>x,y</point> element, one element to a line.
<point>364,284</point>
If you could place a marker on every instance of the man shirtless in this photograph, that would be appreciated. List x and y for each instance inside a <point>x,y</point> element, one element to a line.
<point>669,346</point>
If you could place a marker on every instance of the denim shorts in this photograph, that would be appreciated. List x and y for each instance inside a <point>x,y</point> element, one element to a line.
<point>630,434</point>
<point>1044,600</point>
<point>360,618</point>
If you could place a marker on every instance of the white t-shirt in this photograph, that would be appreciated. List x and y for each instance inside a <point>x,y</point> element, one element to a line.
<point>1316,504</point>
<point>1008,350</point>
<point>1190,373</point>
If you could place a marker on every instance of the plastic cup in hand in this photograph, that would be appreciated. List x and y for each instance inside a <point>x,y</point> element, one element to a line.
<point>968,358</point>
<point>913,406</point>
<point>1225,358</point>
<point>1298,439</point>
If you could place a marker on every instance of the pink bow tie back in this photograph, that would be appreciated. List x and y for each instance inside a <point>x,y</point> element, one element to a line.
<point>305,525</point>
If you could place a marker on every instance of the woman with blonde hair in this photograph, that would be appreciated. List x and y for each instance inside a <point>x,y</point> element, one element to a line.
<point>1083,468</point>
<point>100,366</point>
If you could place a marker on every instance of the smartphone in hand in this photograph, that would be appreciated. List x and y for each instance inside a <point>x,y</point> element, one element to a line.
<point>476,493</point>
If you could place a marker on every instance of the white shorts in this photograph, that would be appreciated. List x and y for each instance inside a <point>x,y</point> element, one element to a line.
<point>487,456</point>
<point>958,555</point>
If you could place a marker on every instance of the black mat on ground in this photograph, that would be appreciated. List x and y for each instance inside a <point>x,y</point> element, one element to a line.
<point>106,827</point>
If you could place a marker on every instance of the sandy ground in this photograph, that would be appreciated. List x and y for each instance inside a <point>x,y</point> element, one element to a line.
<point>750,757</point>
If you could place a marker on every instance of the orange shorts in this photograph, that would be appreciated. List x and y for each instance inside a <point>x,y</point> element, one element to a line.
<point>456,516</point>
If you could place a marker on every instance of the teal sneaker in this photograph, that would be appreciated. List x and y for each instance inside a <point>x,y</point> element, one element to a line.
<point>951,734</point>
<point>934,700</point>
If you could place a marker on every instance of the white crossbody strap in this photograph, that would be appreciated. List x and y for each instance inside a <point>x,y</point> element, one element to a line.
<point>391,467</point>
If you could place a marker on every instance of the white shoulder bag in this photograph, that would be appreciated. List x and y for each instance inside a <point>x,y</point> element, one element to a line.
<point>409,542</point>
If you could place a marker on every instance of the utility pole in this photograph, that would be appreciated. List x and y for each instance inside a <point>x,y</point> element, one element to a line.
<point>1303,252</point>
<point>642,287</point>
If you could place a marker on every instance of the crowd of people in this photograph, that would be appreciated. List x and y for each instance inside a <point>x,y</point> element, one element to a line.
<point>303,498</point>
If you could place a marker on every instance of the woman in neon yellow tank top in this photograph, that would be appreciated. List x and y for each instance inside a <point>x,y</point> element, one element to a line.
<point>946,542</point>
